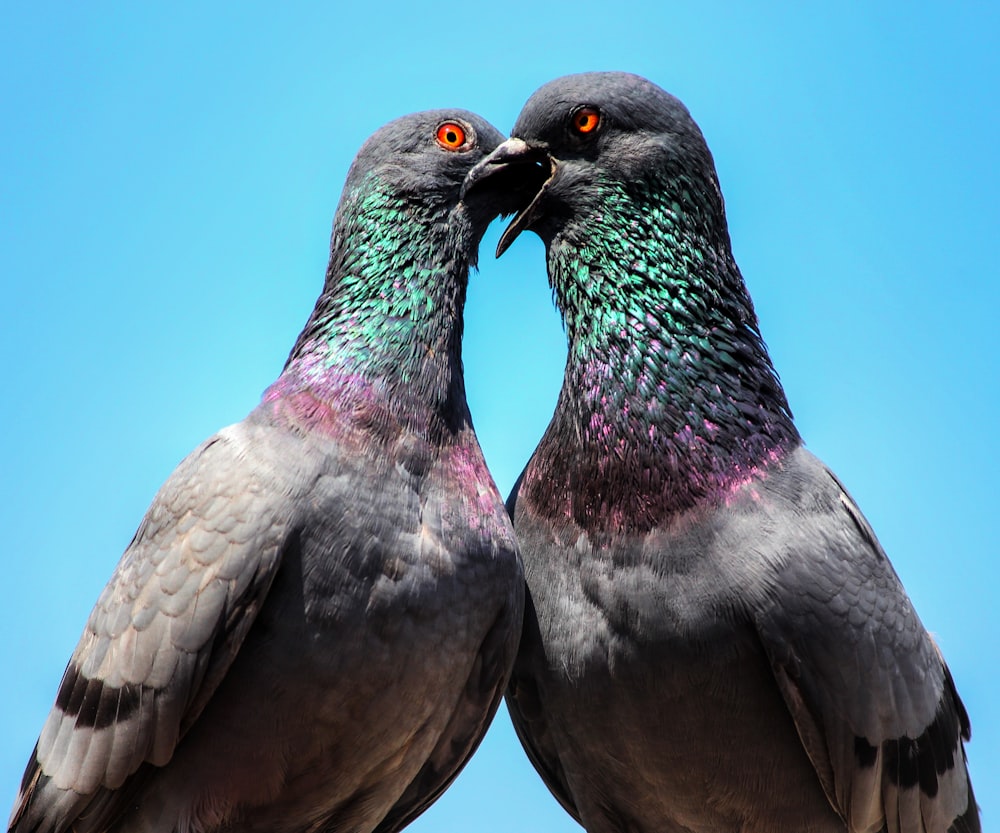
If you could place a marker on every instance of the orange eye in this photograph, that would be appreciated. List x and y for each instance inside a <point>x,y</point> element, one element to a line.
<point>586,120</point>
<point>451,135</point>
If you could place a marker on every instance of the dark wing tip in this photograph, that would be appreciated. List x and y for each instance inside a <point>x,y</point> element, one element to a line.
<point>924,762</point>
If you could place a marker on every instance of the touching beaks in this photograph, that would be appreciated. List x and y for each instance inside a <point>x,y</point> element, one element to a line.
<point>517,174</point>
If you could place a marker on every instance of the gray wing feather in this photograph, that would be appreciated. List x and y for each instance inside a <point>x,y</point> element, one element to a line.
<point>164,630</point>
<point>872,699</point>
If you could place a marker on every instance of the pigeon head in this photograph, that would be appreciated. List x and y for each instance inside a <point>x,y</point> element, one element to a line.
<point>582,134</point>
<point>426,155</point>
<point>421,160</point>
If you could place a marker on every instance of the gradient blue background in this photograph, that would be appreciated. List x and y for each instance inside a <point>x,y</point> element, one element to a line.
<point>168,179</point>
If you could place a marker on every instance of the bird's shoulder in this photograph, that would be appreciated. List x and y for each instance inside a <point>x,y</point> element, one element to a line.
<point>788,538</point>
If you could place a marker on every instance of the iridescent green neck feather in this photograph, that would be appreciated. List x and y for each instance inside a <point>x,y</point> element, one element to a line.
<point>669,398</point>
<point>388,325</point>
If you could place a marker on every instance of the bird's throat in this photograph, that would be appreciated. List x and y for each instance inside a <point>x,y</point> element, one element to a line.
<point>383,330</point>
<point>669,397</point>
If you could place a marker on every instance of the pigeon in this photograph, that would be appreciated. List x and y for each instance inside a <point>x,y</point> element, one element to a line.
<point>714,640</point>
<point>315,621</point>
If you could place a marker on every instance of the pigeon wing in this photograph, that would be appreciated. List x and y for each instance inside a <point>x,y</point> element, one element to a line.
<point>163,632</point>
<point>872,699</point>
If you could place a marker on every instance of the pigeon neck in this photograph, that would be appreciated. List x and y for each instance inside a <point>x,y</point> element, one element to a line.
<point>388,325</point>
<point>669,397</point>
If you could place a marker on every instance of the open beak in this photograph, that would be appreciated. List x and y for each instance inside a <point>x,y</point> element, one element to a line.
<point>518,175</point>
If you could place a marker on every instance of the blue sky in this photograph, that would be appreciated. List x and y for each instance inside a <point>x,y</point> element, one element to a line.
<point>168,183</point>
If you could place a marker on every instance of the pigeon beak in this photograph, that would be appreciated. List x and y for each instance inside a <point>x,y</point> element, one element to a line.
<point>522,173</point>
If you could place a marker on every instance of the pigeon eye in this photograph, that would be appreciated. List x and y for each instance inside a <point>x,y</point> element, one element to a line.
<point>586,120</point>
<point>451,136</point>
